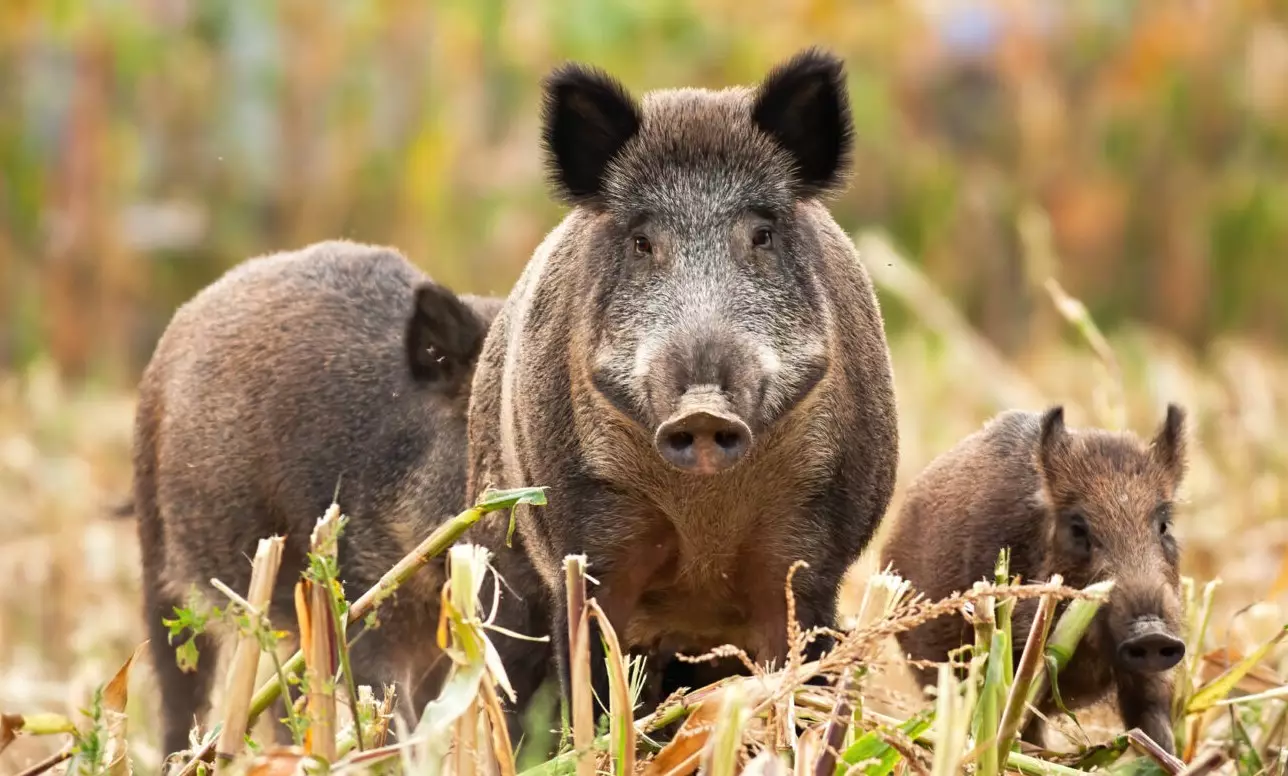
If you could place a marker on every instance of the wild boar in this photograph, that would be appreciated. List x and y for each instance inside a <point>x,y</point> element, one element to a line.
<point>339,367</point>
<point>694,364</point>
<point>1088,504</point>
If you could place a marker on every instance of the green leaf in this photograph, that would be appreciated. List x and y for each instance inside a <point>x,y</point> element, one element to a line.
<point>185,656</point>
<point>1249,760</point>
<point>504,499</point>
<point>1138,766</point>
<point>1220,687</point>
<point>1102,755</point>
<point>871,746</point>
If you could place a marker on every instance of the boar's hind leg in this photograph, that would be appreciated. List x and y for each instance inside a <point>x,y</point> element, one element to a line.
<point>185,695</point>
<point>1145,702</point>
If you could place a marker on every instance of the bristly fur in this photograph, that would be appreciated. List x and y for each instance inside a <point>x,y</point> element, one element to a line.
<point>793,131</point>
<point>291,372</point>
<point>1169,443</point>
<point>697,261</point>
<point>804,104</point>
<point>444,337</point>
<point>1103,510</point>
<point>586,117</point>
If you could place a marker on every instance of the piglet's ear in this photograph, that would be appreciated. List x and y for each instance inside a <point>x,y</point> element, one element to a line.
<point>586,118</point>
<point>444,336</point>
<point>1168,445</point>
<point>803,105</point>
<point>1052,439</point>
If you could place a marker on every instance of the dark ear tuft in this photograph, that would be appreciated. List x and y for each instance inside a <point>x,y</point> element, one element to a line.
<point>586,118</point>
<point>1052,438</point>
<point>804,105</point>
<point>444,336</point>
<point>1168,446</point>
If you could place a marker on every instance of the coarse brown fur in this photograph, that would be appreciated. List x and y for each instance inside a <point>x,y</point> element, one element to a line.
<point>337,369</point>
<point>1089,505</point>
<point>665,284</point>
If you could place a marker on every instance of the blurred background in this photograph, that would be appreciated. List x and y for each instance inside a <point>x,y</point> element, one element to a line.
<point>1136,152</point>
<point>147,146</point>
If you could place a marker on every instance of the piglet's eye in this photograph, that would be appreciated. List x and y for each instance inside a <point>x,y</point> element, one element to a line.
<point>763,237</point>
<point>642,245</point>
<point>1163,518</point>
<point>1078,530</point>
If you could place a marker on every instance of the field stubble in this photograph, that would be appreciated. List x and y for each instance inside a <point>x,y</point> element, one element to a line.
<point>69,572</point>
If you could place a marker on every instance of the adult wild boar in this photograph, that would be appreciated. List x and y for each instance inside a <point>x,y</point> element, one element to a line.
<point>694,363</point>
<point>1089,505</point>
<point>339,365</point>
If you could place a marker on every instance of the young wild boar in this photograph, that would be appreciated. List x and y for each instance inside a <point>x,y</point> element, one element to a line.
<point>1088,505</point>
<point>338,365</point>
<point>694,364</point>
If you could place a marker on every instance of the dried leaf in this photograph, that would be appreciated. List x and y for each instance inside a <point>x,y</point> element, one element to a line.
<point>1280,585</point>
<point>1224,684</point>
<point>283,761</point>
<point>115,696</point>
<point>680,756</point>
<point>1261,678</point>
<point>809,748</point>
<point>34,725</point>
<point>766,764</point>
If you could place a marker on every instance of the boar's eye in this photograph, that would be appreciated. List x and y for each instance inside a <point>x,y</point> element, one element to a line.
<point>642,245</point>
<point>1078,531</point>
<point>1163,518</point>
<point>763,237</point>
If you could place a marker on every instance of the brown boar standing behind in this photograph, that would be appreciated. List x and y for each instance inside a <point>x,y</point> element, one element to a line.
<point>695,365</point>
<point>1089,505</point>
<point>338,364</point>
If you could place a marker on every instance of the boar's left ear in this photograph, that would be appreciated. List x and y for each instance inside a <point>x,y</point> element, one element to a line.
<point>1168,446</point>
<point>1051,439</point>
<point>444,335</point>
<point>804,105</point>
<point>586,118</point>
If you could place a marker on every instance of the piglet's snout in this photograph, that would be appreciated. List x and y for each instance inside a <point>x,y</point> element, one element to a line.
<point>1149,648</point>
<point>703,436</point>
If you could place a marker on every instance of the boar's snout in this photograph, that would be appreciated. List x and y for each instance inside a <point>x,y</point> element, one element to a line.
<point>703,436</point>
<point>1149,648</point>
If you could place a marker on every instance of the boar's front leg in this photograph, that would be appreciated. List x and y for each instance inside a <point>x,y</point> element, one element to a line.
<point>625,552</point>
<point>1145,702</point>
<point>814,591</point>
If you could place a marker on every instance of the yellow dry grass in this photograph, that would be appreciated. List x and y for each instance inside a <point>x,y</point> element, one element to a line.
<point>69,574</point>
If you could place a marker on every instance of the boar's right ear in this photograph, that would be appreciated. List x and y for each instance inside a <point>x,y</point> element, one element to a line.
<point>444,336</point>
<point>1051,438</point>
<point>804,105</point>
<point>586,118</point>
<point>1168,445</point>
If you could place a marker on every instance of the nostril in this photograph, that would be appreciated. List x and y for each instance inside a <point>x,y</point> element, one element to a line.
<point>728,440</point>
<point>1152,652</point>
<point>703,442</point>
<point>681,440</point>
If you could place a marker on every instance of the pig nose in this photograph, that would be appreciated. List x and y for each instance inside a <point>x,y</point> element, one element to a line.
<point>703,442</point>
<point>1151,650</point>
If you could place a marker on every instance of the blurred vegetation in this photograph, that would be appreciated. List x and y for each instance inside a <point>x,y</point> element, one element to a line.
<point>147,146</point>
<point>1135,151</point>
